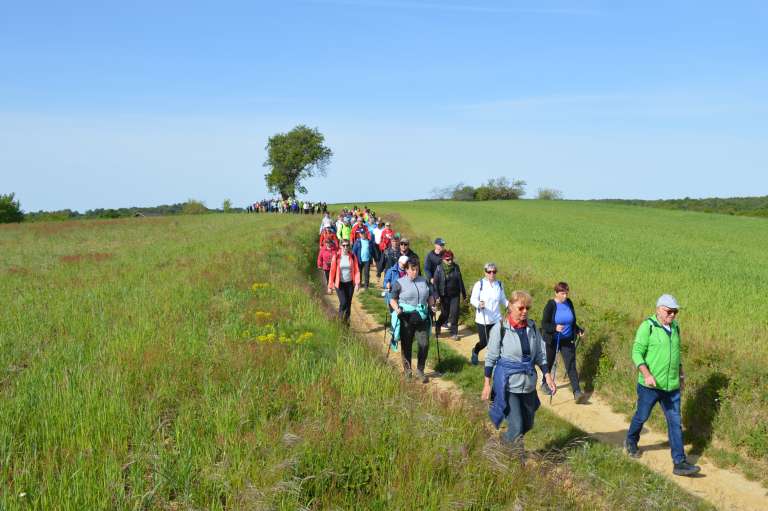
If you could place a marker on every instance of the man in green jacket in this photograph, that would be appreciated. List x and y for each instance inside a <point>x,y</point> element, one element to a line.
<point>656,355</point>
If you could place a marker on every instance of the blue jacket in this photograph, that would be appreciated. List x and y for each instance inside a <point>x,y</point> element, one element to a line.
<point>504,369</point>
<point>357,249</point>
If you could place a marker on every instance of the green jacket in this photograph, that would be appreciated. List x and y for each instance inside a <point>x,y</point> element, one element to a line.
<point>345,232</point>
<point>660,351</point>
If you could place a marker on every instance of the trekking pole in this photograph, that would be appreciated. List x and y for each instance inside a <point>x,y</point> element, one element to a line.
<point>554,365</point>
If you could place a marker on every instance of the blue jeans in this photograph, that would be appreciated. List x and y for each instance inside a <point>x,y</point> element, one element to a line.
<point>670,403</point>
<point>521,411</point>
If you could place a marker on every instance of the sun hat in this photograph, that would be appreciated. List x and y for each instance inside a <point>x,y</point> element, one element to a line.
<point>402,260</point>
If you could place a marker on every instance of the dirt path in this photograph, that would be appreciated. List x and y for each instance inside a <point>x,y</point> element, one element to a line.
<point>725,489</point>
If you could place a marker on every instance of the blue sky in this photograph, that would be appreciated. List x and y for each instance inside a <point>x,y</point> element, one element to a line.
<point>110,104</point>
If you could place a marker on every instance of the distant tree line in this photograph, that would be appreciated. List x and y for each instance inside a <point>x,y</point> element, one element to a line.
<point>741,206</point>
<point>10,211</point>
<point>500,188</point>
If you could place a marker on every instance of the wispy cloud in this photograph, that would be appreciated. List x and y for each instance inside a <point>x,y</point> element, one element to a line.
<point>451,7</point>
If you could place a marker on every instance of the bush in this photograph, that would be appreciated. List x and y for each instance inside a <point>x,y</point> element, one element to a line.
<point>10,210</point>
<point>194,207</point>
<point>549,194</point>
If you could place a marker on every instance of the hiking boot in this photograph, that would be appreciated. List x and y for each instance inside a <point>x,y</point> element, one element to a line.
<point>631,449</point>
<point>545,389</point>
<point>580,397</point>
<point>408,373</point>
<point>421,376</point>
<point>474,359</point>
<point>685,469</point>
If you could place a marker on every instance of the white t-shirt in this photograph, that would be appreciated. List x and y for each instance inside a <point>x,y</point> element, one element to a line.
<point>346,269</point>
<point>377,235</point>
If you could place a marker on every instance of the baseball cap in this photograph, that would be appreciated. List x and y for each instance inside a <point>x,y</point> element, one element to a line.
<point>439,241</point>
<point>387,223</point>
<point>667,301</point>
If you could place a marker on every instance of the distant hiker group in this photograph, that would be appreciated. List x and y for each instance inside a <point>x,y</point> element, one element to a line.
<point>516,346</point>
<point>287,206</point>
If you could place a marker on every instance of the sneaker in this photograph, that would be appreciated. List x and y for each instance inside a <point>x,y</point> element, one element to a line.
<point>421,376</point>
<point>474,359</point>
<point>580,397</point>
<point>383,293</point>
<point>546,390</point>
<point>408,373</point>
<point>685,469</point>
<point>631,449</point>
<point>456,337</point>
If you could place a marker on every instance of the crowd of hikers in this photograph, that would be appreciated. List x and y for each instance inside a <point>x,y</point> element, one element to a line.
<point>287,206</point>
<point>356,240</point>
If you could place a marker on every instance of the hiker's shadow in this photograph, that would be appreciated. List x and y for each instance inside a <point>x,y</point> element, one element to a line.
<point>590,362</point>
<point>701,409</point>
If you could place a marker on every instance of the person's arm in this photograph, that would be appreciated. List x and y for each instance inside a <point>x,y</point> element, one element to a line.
<point>394,297</point>
<point>639,350</point>
<point>541,360</point>
<point>474,299</point>
<point>461,283</point>
<point>547,325</point>
<point>492,354</point>
<point>577,330</point>
<point>503,297</point>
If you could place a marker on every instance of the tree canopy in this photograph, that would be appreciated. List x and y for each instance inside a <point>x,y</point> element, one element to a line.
<point>293,157</point>
<point>10,210</point>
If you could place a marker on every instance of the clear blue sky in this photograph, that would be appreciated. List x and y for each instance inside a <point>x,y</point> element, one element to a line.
<point>109,104</point>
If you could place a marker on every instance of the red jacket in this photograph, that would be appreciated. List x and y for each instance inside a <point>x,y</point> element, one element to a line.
<point>357,232</point>
<point>386,238</point>
<point>335,276</point>
<point>327,235</point>
<point>324,258</point>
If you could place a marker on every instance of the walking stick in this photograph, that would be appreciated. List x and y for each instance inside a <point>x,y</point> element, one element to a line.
<point>554,365</point>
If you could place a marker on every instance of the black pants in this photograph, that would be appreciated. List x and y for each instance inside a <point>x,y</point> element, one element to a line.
<point>377,259</point>
<point>345,292</point>
<point>325,273</point>
<point>407,335</point>
<point>449,311</point>
<point>568,352</point>
<point>483,331</point>
<point>365,273</point>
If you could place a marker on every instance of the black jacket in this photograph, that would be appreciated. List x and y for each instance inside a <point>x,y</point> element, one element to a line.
<point>431,262</point>
<point>548,324</point>
<point>452,285</point>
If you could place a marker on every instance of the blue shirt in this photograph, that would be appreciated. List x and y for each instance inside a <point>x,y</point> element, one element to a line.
<point>564,316</point>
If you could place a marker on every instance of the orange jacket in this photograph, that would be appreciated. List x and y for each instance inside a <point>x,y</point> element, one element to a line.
<point>335,276</point>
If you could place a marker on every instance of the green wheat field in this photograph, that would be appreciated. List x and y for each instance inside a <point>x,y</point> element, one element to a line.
<point>188,363</point>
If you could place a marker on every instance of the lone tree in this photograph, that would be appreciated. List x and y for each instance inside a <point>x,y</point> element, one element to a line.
<point>10,210</point>
<point>293,157</point>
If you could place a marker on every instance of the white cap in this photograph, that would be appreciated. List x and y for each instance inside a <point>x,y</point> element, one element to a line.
<point>402,260</point>
<point>667,301</point>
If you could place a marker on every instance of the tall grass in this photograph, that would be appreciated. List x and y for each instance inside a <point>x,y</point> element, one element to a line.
<point>187,364</point>
<point>618,260</point>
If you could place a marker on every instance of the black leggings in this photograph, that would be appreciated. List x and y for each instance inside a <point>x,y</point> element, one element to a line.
<point>449,311</point>
<point>345,292</point>
<point>483,331</point>
<point>568,351</point>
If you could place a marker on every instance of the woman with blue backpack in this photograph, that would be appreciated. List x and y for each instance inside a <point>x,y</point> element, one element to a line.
<point>363,250</point>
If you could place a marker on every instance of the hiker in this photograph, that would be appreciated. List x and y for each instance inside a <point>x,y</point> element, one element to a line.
<point>412,300</point>
<point>487,297</point>
<point>433,259</point>
<point>397,271</point>
<point>346,229</point>
<point>560,332</point>
<point>376,250</point>
<point>363,250</point>
<point>656,355</point>
<point>344,277</point>
<point>513,350</point>
<point>359,230</point>
<point>449,286</point>
<point>391,254</point>
<point>324,258</point>
<point>325,222</point>
<point>328,234</point>
<point>405,250</point>
<point>387,234</point>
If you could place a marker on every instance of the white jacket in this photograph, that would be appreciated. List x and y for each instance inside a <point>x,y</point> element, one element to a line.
<point>493,296</point>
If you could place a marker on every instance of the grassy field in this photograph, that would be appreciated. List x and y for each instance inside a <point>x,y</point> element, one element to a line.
<point>186,363</point>
<point>618,260</point>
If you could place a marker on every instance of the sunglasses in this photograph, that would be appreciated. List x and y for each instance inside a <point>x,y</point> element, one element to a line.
<point>403,244</point>
<point>346,245</point>
<point>672,311</point>
<point>490,271</point>
<point>524,307</point>
<point>447,260</point>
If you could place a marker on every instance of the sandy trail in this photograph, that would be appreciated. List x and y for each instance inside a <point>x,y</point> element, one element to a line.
<point>723,488</point>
